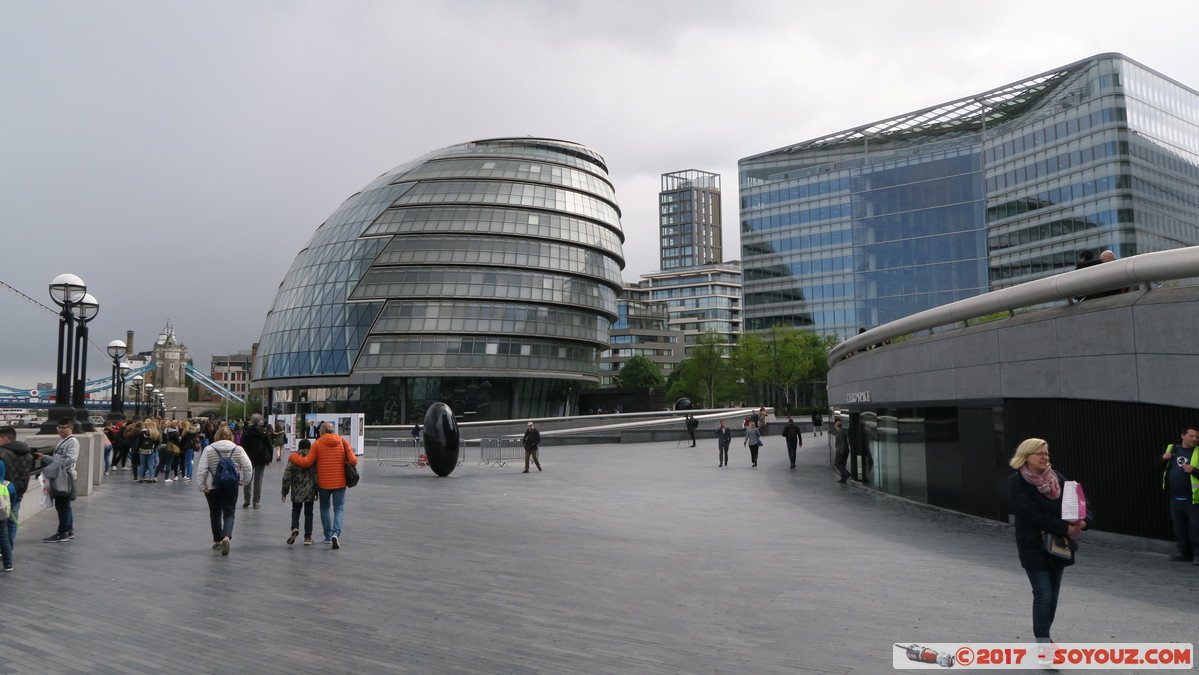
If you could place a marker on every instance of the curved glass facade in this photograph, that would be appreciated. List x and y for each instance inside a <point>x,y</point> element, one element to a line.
<point>483,275</point>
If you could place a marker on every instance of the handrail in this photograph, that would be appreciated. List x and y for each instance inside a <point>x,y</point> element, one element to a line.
<point>1178,263</point>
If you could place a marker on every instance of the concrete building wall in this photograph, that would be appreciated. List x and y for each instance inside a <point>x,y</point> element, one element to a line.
<point>1135,347</point>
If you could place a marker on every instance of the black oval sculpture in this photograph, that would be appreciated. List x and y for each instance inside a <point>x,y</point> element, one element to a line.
<point>683,404</point>
<point>441,439</point>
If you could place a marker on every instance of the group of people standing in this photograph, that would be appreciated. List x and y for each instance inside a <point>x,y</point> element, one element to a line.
<point>153,447</point>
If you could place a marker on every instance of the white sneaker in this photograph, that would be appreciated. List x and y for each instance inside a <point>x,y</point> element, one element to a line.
<point>168,480</point>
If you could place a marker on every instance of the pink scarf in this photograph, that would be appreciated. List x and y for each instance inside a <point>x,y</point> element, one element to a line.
<point>1045,483</point>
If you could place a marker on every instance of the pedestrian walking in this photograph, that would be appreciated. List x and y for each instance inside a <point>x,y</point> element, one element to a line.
<point>330,453</point>
<point>222,499</point>
<point>792,436</point>
<point>1035,498</point>
<point>840,450</point>
<point>256,440</point>
<point>817,424</point>
<point>531,441</point>
<point>301,483</point>
<point>753,439</point>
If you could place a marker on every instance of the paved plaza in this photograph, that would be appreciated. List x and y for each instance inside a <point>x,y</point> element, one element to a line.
<point>625,559</point>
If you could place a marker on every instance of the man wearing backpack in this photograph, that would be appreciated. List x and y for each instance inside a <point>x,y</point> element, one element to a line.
<point>19,459</point>
<point>330,453</point>
<point>223,468</point>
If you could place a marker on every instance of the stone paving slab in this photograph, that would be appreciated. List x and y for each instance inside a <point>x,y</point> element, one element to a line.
<point>616,559</point>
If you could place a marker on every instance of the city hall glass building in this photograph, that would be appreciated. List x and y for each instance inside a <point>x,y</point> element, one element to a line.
<point>877,222</point>
<point>483,275</point>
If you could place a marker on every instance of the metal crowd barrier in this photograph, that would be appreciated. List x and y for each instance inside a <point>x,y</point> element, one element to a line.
<point>408,451</point>
<point>500,451</point>
<point>399,451</point>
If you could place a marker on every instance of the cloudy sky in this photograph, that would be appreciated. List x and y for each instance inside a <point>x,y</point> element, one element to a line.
<point>177,155</point>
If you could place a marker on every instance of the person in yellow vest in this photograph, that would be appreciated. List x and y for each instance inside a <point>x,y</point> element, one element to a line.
<point>1181,480</point>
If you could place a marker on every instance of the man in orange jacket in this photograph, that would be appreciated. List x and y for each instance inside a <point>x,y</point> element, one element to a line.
<point>330,453</point>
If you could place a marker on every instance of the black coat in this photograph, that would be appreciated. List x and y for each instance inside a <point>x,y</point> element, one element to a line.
<point>18,463</point>
<point>256,441</point>
<point>1035,513</point>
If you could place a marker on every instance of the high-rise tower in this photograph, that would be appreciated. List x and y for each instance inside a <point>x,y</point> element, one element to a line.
<point>689,219</point>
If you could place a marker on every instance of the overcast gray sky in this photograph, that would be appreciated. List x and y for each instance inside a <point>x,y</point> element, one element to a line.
<point>178,155</point>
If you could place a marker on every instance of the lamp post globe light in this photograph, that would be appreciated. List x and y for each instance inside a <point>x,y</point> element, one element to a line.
<point>116,350</point>
<point>84,311</point>
<point>66,290</point>
<point>137,392</point>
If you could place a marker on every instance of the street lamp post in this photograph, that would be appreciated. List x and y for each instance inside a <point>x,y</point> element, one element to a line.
<point>137,391</point>
<point>117,349</point>
<point>65,290</point>
<point>149,389</point>
<point>85,310</point>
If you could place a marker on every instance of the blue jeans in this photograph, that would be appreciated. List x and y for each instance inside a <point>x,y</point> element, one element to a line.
<point>332,526</point>
<point>188,454</point>
<point>11,532</point>
<point>1185,517</point>
<point>107,457</point>
<point>1045,587</point>
<point>792,445</point>
<point>145,467</point>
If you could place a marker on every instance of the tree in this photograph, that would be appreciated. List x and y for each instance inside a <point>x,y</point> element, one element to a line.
<point>749,359</point>
<point>705,376</point>
<point>707,365</point>
<point>639,371</point>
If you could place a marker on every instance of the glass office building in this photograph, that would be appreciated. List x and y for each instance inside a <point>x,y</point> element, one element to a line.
<point>877,222</point>
<point>483,275</point>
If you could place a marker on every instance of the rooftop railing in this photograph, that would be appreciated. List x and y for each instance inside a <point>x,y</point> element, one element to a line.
<point>1147,268</point>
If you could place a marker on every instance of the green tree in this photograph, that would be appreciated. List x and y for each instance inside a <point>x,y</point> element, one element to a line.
<point>704,377</point>
<point>639,371</point>
<point>707,366</point>
<point>749,360</point>
<point>787,364</point>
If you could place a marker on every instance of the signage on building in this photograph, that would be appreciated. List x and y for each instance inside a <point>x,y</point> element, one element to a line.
<point>858,397</point>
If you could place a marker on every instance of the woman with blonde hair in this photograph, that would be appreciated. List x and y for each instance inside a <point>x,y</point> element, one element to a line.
<point>222,499</point>
<point>147,450</point>
<point>1035,498</point>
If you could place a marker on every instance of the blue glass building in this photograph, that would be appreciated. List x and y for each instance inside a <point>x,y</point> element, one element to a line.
<point>877,222</point>
<point>483,275</point>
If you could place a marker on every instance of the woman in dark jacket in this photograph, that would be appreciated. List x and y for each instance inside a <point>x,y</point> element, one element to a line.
<point>1035,497</point>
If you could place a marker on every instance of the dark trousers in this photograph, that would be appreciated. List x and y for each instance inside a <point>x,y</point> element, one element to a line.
<point>722,452</point>
<point>66,519</point>
<point>254,487</point>
<point>839,461</point>
<point>792,444</point>
<point>1185,517</point>
<point>222,507</point>
<point>753,453</point>
<point>1045,587</point>
<point>296,507</point>
<point>691,433</point>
